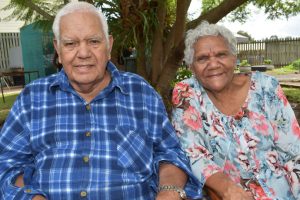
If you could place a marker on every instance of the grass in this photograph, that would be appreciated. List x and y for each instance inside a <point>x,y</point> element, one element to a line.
<point>292,94</point>
<point>289,69</point>
<point>5,107</point>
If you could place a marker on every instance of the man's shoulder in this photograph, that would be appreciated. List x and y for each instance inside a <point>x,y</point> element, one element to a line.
<point>44,82</point>
<point>136,83</point>
<point>132,78</point>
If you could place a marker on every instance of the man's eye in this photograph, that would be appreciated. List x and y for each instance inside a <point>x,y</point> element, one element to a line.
<point>94,42</point>
<point>70,44</point>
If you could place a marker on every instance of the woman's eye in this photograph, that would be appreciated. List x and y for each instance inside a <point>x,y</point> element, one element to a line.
<point>202,59</point>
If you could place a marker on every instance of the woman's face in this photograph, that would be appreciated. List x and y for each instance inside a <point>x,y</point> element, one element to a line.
<point>213,63</point>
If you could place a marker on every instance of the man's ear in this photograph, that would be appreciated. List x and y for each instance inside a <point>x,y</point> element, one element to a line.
<point>55,43</point>
<point>110,44</point>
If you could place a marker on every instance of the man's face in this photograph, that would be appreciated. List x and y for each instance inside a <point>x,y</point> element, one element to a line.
<point>83,50</point>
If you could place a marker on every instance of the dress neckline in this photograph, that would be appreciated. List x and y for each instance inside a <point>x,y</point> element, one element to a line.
<point>244,106</point>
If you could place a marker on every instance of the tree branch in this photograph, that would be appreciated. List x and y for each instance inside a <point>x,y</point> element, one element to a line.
<point>37,9</point>
<point>216,14</point>
<point>178,29</point>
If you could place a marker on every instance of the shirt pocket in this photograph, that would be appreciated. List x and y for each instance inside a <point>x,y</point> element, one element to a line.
<point>134,148</point>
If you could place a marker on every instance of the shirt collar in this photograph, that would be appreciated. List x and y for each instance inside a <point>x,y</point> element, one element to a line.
<point>62,81</point>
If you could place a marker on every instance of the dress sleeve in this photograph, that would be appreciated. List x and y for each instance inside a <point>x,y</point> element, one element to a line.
<point>15,155</point>
<point>285,125</point>
<point>286,137</point>
<point>189,128</point>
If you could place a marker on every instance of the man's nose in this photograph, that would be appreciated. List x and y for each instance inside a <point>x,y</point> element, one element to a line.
<point>83,50</point>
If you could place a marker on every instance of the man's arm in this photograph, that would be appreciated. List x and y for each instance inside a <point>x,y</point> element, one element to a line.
<point>170,175</point>
<point>20,183</point>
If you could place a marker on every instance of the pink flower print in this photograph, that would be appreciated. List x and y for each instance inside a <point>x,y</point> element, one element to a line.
<point>296,128</point>
<point>275,130</point>
<point>239,115</point>
<point>180,92</point>
<point>210,170</point>
<point>217,128</point>
<point>258,192</point>
<point>259,123</point>
<point>197,151</point>
<point>232,172</point>
<point>281,96</point>
<point>272,160</point>
<point>192,118</point>
<point>243,160</point>
<point>252,85</point>
<point>292,167</point>
<point>251,140</point>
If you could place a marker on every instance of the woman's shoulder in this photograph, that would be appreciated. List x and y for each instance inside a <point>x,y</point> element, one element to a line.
<point>190,83</point>
<point>264,80</point>
<point>260,76</point>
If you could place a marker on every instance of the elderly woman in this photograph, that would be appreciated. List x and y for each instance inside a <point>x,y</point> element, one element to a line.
<point>239,130</point>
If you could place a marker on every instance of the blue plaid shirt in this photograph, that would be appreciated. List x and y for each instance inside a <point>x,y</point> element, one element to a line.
<point>109,148</point>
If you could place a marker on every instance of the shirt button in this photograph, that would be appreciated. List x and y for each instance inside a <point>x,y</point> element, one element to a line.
<point>88,134</point>
<point>86,159</point>
<point>83,193</point>
<point>88,107</point>
<point>28,190</point>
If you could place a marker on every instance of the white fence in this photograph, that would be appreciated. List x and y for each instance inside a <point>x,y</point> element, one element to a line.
<point>7,41</point>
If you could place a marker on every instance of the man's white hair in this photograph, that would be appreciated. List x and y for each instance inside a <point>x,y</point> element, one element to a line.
<point>206,29</point>
<point>78,7</point>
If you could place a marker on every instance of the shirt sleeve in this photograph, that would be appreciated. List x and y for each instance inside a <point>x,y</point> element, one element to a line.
<point>188,125</point>
<point>167,149</point>
<point>15,154</point>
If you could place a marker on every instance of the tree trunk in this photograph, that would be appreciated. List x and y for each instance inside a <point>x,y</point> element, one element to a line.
<point>157,47</point>
<point>141,54</point>
<point>168,74</point>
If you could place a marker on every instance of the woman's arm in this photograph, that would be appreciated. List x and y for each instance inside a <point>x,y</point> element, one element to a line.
<point>226,189</point>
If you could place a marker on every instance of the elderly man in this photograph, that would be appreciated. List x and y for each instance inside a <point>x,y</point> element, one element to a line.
<point>90,131</point>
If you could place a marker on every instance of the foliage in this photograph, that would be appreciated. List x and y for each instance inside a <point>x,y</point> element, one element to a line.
<point>5,107</point>
<point>181,74</point>
<point>296,64</point>
<point>244,63</point>
<point>267,61</point>
<point>33,11</point>
<point>294,67</point>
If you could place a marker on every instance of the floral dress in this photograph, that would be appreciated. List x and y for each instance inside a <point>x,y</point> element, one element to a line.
<point>258,147</point>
